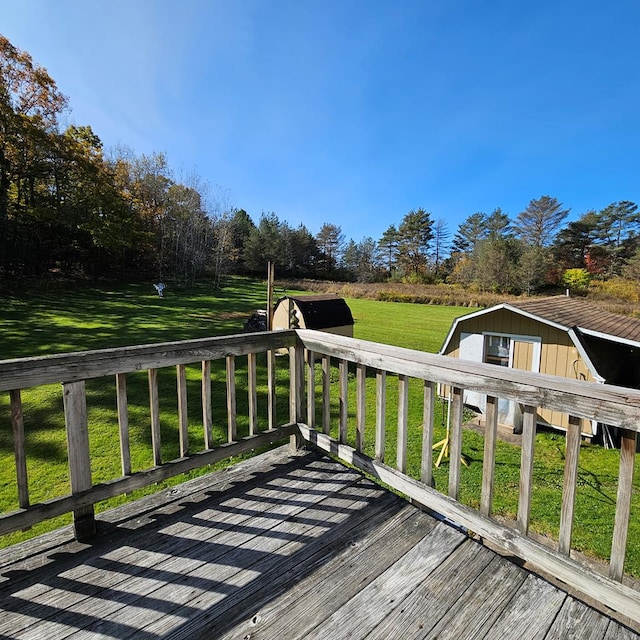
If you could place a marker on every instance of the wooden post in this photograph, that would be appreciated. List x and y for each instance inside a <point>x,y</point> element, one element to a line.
<point>207,413</point>
<point>403,413</point>
<point>231,400</point>
<point>569,485</point>
<point>343,370</point>
<point>361,403</point>
<point>154,405</point>
<point>428,412</point>
<point>623,503</point>
<point>456,442</point>
<point>526,467</point>
<point>253,393</point>
<point>123,423</point>
<point>311,388</point>
<point>19,451</point>
<point>381,413</point>
<point>183,413</point>
<point>326,394</point>
<point>296,392</point>
<point>489,463</point>
<point>271,388</point>
<point>75,417</point>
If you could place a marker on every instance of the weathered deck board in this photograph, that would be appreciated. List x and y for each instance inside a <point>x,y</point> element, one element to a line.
<point>279,547</point>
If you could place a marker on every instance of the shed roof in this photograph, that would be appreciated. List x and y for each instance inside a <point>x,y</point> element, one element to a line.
<point>588,318</point>
<point>322,311</point>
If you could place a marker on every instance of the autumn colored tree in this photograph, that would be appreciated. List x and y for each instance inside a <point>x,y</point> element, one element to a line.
<point>30,104</point>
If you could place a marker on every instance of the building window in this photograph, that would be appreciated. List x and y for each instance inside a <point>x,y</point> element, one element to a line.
<point>497,349</point>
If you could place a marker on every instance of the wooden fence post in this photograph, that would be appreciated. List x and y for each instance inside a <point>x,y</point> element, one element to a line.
<point>75,417</point>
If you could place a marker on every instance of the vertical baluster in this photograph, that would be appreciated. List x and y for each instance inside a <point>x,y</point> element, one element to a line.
<point>361,381</point>
<point>526,467</point>
<point>343,368</point>
<point>381,413</point>
<point>232,428</point>
<point>296,391</point>
<point>154,405</point>
<point>428,413</point>
<point>271,388</point>
<point>489,463</point>
<point>569,485</point>
<point>207,409</point>
<point>326,394</point>
<point>623,503</point>
<point>19,448</point>
<point>183,414</point>
<point>123,423</point>
<point>253,393</point>
<point>311,389</point>
<point>403,410</point>
<point>77,428</point>
<point>455,438</point>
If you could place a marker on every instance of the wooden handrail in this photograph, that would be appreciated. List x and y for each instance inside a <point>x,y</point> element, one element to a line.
<point>73,369</point>
<point>614,406</point>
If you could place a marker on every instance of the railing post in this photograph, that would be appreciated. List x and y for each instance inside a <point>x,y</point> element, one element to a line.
<point>403,414</point>
<point>75,417</point>
<point>343,371</point>
<point>253,393</point>
<point>489,463</point>
<point>326,394</point>
<point>17,423</point>
<point>232,425</point>
<point>123,423</point>
<point>381,413</point>
<point>428,409</point>
<point>296,391</point>
<point>361,377</point>
<point>529,418</point>
<point>311,389</point>
<point>455,437</point>
<point>154,407</point>
<point>207,412</point>
<point>628,446</point>
<point>271,389</point>
<point>569,485</point>
<point>183,412</point>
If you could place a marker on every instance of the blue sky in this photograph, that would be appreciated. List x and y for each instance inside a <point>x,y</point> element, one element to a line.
<point>354,112</point>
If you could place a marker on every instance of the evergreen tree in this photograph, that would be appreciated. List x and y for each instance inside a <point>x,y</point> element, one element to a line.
<point>538,224</point>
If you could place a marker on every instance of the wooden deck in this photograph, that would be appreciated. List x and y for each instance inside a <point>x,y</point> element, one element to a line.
<point>280,546</point>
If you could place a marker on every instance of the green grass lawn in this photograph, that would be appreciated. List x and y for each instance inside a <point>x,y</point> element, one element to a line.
<point>59,320</point>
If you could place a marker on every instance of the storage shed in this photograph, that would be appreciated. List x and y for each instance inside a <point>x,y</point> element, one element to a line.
<point>328,313</point>
<point>557,335</point>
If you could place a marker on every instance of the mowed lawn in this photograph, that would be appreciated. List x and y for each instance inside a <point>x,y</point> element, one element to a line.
<point>92,318</point>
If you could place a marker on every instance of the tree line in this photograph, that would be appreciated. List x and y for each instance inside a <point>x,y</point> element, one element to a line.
<point>68,206</point>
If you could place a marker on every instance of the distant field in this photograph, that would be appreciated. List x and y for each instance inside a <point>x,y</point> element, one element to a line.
<point>414,326</point>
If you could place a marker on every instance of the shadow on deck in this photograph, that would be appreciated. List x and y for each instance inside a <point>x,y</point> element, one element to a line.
<point>279,546</point>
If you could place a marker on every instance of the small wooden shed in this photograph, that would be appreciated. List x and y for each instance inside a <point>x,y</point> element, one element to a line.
<point>328,313</point>
<point>558,335</point>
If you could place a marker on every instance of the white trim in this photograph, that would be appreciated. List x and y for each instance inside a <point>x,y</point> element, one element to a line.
<point>467,316</point>
<point>609,337</point>
<point>583,354</point>
<point>514,337</point>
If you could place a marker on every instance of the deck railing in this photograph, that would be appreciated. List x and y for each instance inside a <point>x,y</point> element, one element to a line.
<point>73,370</point>
<point>319,413</point>
<point>614,406</point>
